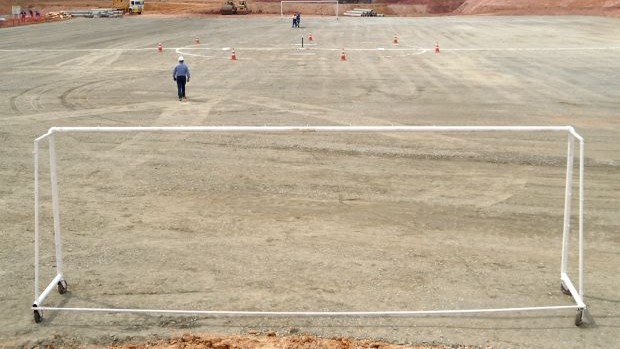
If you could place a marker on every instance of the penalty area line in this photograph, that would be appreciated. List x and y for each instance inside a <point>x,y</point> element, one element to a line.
<point>177,49</point>
<point>508,49</point>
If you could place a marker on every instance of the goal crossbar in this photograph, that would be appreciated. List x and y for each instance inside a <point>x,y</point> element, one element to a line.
<point>307,2</point>
<point>59,282</point>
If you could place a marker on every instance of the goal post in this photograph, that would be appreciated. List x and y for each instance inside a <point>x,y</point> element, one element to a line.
<point>307,2</point>
<point>59,280</point>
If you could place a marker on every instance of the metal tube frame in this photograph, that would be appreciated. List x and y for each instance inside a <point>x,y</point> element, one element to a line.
<point>568,195</point>
<point>307,2</point>
<point>58,280</point>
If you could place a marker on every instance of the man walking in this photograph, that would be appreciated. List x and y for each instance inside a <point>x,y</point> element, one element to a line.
<point>180,74</point>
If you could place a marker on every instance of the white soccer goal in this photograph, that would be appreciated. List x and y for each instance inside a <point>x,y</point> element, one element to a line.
<point>59,281</point>
<point>307,2</point>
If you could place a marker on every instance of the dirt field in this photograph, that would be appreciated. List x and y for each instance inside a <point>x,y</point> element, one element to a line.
<point>405,8</point>
<point>533,7</point>
<point>311,221</point>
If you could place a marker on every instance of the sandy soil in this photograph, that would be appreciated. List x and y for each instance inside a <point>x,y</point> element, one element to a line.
<point>389,8</point>
<point>310,221</point>
<point>271,340</point>
<point>537,7</point>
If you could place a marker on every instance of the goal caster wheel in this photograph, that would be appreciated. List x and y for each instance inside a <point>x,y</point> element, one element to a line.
<point>62,287</point>
<point>579,318</point>
<point>38,316</point>
<point>564,289</point>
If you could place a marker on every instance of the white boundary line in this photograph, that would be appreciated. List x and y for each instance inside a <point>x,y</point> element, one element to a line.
<point>609,48</point>
<point>535,49</point>
<point>154,49</point>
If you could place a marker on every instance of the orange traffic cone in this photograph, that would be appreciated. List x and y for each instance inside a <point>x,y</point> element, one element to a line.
<point>160,48</point>
<point>395,41</point>
<point>343,57</point>
<point>233,56</point>
<point>310,38</point>
<point>437,47</point>
<point>197,40</point>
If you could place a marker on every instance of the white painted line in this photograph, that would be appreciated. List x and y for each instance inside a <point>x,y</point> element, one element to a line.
<point>194,55</point>
<point>154,48</point>
<point>422,51</point>
<point>193,48</point>
<point>533,49</point>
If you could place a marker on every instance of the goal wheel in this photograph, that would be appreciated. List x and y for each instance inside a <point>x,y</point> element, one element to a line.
<point>38,317</point>
<point>579,318</point>
<point>564,289</point>
<point>62,286</point>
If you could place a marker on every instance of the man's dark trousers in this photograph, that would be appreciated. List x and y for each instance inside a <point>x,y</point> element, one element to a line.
<point>181,80</point>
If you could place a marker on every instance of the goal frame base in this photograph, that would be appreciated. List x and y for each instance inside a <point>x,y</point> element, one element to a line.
<point>60,282</point>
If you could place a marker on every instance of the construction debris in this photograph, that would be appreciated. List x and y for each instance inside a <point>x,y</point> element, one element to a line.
<point>97,13</point>
<point>56,16</point>
<point>363,12</point>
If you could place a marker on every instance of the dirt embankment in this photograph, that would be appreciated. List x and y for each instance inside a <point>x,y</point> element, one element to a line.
<point>271,341</point>
<point>540,7</point>
<point>387,7</point>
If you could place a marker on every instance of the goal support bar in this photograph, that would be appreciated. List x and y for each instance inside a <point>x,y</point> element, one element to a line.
<point>59,280</point>
<point>307,2</point>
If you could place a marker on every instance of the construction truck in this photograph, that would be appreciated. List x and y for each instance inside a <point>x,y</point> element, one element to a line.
<point>129,6</point>
<point>243,9</point>
<point>231,8</point>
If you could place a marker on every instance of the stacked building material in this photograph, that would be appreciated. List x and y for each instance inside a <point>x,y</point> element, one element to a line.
<point>97,13</point>
<point>55,16</point>
<point>362,12</point>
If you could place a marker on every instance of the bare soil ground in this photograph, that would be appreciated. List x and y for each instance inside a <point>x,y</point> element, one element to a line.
<point>537,7</point>
<point>271,340</point>
<point>389,8</point>
<point>310,221</point>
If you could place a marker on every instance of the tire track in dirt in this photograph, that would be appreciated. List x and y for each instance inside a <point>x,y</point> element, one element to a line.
<point>93,62</point>
<point>64,97</point>
<point>35,100</point>
<point>76,114</point>
<point>13,99</point>
<point>35,94</point>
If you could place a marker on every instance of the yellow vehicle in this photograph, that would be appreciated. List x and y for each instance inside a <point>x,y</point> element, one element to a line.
<point>231,8</point>
<point>242,8</point>
<point>129,6</point>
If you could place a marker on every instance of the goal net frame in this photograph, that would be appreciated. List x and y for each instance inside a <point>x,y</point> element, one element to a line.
<point>282,2</point>
<point>60,283</point>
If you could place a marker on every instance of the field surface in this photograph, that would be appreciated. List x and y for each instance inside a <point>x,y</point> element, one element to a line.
<point>311,221</point>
